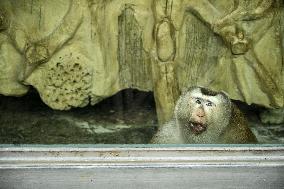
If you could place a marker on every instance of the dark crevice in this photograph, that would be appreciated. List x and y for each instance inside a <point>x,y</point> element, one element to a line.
<point>127,117</point>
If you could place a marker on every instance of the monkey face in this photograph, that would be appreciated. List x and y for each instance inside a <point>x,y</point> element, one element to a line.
<point>199,108</point>
<point>197,112</point>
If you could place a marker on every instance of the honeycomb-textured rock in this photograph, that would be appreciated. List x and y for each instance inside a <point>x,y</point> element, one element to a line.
<point>67,83</point>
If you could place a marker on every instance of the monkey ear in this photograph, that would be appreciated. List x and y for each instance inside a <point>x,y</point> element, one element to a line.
<point>226,97</point>
<point>224,93</point>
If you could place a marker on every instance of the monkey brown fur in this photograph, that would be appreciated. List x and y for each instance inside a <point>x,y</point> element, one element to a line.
<point>205,116</point>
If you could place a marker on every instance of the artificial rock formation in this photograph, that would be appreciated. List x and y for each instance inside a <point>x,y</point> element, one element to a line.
<point>80,52</point>
<point>66,83</point>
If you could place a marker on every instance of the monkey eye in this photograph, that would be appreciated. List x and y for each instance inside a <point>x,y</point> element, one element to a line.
<point>209,104</point>
<point>198,101</point>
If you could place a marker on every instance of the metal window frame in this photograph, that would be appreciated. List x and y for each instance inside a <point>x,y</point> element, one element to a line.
<point>142,166</point>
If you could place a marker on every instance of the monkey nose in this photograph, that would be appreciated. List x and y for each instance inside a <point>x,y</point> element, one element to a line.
<point>200,114</point>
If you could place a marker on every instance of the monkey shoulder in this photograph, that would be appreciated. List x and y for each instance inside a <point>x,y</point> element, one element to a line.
<point>167,133</point>
<point>238,130</point>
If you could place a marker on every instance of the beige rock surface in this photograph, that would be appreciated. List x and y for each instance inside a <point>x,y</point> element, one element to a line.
<point>80,52</point>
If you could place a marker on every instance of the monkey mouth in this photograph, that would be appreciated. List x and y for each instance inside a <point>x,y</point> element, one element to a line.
<point>197,128</point>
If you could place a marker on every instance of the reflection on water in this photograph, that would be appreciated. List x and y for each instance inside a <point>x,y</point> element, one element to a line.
<point>128,117</point>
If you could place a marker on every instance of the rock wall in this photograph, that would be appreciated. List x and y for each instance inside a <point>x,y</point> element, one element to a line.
<point>80,52</point>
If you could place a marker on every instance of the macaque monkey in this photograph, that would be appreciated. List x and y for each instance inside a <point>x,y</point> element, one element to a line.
<point>205,116</point>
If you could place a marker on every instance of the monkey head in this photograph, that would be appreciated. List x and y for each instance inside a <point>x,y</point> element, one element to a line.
<point>200,110</point>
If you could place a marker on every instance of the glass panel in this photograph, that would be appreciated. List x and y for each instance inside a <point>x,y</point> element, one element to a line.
<point>128,117</point>
<point>141,72</point>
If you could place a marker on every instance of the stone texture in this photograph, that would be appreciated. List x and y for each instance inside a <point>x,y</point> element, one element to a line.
<point>272,116</point>
<point>162,46</point>
<point>165,40</point>
<point>134,67</point>
<point>67,83</point>
<point>10,69</point>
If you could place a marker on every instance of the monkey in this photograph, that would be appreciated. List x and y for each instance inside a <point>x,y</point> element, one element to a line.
<point>204,116</point>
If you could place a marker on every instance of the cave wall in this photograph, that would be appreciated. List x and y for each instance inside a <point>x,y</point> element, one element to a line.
<point>77,53</point>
